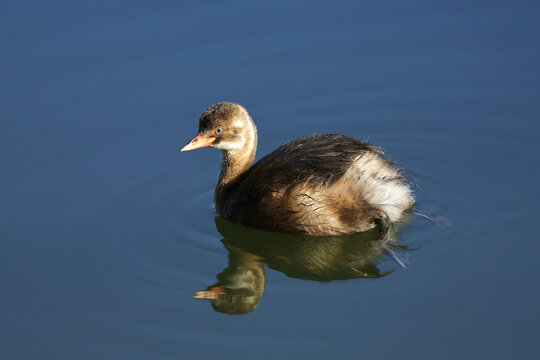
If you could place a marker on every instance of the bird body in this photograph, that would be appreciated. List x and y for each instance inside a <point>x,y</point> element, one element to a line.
<point>320,185</point>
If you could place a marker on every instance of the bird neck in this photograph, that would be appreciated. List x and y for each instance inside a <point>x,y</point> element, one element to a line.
<point>234,166</point>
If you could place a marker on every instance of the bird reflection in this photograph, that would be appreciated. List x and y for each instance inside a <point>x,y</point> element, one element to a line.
<point>240,286</point>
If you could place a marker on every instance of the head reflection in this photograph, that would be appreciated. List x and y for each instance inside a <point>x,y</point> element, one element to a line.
<point>240,286</point>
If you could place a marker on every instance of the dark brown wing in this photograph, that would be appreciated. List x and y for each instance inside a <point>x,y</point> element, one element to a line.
<point>317,159</point>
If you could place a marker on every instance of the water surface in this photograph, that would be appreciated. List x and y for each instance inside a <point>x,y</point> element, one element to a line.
<point>107,230</point>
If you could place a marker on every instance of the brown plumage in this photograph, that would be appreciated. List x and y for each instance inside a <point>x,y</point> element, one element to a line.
<point>320,185</point>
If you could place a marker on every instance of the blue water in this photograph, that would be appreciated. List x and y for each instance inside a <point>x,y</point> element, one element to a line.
<point>107,230</point>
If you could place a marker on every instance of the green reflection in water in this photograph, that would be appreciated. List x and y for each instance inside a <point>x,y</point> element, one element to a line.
<point>241,285</point>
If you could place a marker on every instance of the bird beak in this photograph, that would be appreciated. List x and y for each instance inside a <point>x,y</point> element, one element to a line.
<point>199,141</point>
<point>211,294</point>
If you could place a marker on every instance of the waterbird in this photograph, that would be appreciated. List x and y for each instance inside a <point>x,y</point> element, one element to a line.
<point>319,185</point>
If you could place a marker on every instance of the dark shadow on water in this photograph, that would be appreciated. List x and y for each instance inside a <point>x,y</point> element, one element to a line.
<point>240,286</point>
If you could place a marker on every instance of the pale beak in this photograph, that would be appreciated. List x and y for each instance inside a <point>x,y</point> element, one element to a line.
<point>199,141</point>
<point>211,294</point>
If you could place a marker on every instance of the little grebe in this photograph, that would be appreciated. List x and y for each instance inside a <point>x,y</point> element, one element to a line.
<point>320,185</point>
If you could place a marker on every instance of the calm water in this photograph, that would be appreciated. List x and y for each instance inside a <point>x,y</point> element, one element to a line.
<point>107,230</point>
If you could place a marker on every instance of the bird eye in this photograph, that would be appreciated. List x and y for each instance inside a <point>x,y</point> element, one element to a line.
<point>219,130</point>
